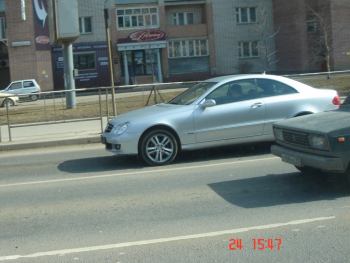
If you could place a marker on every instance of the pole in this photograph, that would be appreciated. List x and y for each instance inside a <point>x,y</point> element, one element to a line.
<point>110,58</point>
<point>69,83</point>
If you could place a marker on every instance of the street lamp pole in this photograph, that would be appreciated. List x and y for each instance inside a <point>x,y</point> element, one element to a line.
<point>108,34</point>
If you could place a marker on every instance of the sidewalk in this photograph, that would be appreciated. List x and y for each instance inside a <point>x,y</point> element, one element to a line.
<point>60,134</point>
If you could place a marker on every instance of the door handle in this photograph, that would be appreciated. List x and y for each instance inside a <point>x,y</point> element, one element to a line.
<point>256,105</point>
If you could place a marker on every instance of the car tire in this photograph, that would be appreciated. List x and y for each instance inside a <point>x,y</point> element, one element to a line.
<point>158,147</point>
<point>9,102</point>
<point>309,171</point>
<point>33,97</point>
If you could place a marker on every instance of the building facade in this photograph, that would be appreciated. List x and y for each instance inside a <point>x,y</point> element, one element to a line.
<point>175,40</point>
<point>244,36</point>
<point>313,35</point>
<point>163,40</point>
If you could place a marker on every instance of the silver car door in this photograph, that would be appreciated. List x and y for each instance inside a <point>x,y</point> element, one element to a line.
<point>15,87</point>
<point>280,101</point>
<point>234,116</point>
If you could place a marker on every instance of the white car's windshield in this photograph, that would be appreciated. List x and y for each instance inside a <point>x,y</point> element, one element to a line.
<point>193,93</point>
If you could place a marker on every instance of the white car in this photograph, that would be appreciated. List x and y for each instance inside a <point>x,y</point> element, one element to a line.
<point>8,100</point>
<point>24,88</point>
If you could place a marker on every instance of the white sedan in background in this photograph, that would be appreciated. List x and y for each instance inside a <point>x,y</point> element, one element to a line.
<point>219,111</point>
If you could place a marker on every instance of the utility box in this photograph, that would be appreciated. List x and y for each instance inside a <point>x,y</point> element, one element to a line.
<point>66,20</point>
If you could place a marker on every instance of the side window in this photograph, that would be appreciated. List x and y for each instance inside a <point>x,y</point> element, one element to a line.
<point>28,84</point>
<point>236,91</point>
<point>274,88</point>
<point>15,86</point>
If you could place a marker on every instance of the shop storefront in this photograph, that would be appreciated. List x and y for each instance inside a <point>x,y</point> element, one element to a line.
<point>140,56</point>
<point>91,62</point>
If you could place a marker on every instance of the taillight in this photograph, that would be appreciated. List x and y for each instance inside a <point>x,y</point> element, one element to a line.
<point>336,101</point>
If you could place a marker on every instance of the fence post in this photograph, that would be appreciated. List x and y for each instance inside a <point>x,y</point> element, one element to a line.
<point>8,122</point>
<point>100,105</point>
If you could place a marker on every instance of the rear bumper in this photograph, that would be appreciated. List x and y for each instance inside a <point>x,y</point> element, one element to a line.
<point>331,164</point>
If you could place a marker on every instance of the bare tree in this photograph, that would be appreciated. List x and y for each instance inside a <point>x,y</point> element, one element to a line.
<point>267,39</point>
<point>321,41</point>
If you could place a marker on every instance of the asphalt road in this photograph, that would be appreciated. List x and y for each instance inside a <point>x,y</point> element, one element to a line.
<point>80,204</point>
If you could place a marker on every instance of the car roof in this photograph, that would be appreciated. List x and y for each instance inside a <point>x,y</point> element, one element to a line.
<point>243,76</point>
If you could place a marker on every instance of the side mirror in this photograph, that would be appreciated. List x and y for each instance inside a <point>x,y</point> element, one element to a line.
<point>208,103</point>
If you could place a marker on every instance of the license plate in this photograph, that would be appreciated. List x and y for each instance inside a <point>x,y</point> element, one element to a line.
<point>291,159</point>
<point>103,140</point>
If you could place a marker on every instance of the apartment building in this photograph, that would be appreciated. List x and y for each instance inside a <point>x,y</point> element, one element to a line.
<point>163,40</point>
<point>313,35</point>
<point>244,36</point>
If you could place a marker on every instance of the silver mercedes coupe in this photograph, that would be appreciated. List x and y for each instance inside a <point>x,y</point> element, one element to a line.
<point>219,111</point>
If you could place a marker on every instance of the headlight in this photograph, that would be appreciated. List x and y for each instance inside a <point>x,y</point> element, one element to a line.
<point>120,129</point>
<point>278,134</point>
<point>318,142</point>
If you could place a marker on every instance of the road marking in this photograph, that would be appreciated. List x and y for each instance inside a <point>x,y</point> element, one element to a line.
<point>134,173</point>
<point>163,240</point>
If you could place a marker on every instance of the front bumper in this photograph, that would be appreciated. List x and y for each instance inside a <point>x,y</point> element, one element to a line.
<point>126,144</point>
<point>331,164</point>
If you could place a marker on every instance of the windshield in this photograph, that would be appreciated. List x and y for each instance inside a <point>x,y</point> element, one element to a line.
<point>192,94</point>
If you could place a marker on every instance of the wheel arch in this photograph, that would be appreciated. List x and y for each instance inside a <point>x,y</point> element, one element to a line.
<point>163,127</point>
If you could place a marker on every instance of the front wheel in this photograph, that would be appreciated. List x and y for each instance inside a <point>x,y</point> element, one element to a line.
<point>158,147</point>
<point>8,103</point>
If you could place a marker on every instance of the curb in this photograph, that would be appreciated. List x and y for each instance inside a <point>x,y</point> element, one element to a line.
<point>44,144</point>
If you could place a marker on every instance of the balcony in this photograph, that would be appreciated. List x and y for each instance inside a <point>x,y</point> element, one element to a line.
<point>197,30</point>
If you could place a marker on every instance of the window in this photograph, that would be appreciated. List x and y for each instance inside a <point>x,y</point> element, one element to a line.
<point>236,91</point>
<point>188,48</point>
<point>85,25</point>
<point>248,49</point>
<point>311,26</point>
<point>246,15</point>
<point>128,18</point>
<point>2,28</point>
<point>184,18</point>
<point>274,88</point>
<point>16,85</point>
<point>28,84</point>
<point>85,61</point>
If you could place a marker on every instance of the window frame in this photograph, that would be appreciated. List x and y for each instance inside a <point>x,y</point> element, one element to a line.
<point>188,48</point>
<point>239,11</point>
<point>145,17</point>
<point>251,49</point>
<point>176,18</point>
<point>2,27</point>
<point>82,25</point>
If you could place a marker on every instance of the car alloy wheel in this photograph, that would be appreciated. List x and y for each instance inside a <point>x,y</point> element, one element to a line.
<point>159,147</point>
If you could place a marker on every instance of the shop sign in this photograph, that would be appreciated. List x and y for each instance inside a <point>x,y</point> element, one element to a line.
<point>144,36</point>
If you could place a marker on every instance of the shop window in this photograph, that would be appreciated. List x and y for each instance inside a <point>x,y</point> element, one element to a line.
<point>140,62</point>
<point>131,18</point>
<point>85,61</point>
<point>85,25</point>
<point>248,49</point>
<point>188,48</point>
<point>246,15</point>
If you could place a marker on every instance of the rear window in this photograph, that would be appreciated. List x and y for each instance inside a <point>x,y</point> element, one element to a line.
<point>28,84</point>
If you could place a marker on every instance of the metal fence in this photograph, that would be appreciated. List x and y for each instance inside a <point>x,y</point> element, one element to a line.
<point>97,104</point>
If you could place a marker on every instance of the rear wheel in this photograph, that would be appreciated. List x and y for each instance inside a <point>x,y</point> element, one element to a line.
<point>158,147</point>
<point>33,97</point>
<point>8,103</point>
